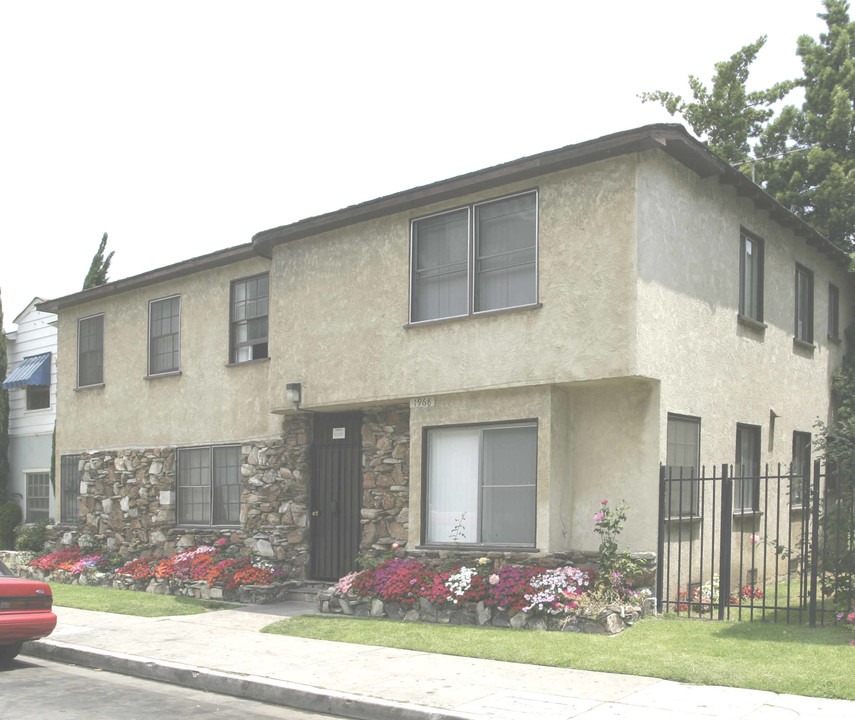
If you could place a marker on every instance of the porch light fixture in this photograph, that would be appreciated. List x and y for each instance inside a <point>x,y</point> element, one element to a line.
<point>293,392</point>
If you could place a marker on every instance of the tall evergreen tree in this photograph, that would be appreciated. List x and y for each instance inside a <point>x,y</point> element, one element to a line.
<point>97,274</point>
<point>804,157</point>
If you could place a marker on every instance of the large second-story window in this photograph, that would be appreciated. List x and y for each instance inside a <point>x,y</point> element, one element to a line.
<point>474,259</point>
<point>804,304</point>
<point>164,326</point>
<point>751,277</point>
<point>90,351</point>
<point>833,311</point>
<point>249,309</point>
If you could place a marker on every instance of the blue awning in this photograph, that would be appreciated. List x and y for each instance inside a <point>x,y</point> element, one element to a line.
<point>33,370</point>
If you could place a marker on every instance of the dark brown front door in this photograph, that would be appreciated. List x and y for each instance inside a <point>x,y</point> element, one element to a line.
<point>336,494</point>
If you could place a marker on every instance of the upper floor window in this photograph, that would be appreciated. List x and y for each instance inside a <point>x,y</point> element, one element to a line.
<point>38,397</point>
<point>164,327</point>
<point>209,485</point>
<point>249,309</point>
<point>751,277</point>
<point>474,259</point>
<point>90,351</point>
<point>682,461</point>
<point>833,311</point>
<point>804,304</point>
<point>481,484</point>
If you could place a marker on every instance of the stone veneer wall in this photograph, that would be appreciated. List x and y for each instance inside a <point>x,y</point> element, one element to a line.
<point>385,478</point>
<point>127,497</point>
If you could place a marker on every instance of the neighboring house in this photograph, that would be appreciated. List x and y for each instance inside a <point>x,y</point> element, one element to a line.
<point>473,364</point>
<point>31,382</point>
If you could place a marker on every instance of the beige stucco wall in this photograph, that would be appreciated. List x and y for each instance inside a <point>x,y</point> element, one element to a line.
<point>207,403</point>
<point>711,365</point>
<point>341,303</point>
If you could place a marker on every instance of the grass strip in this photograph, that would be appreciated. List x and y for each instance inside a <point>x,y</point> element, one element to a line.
<point>756,655</point>
<point>128,602</point>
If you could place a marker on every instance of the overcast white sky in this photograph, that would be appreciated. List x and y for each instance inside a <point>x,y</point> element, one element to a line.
<point>184,127</point>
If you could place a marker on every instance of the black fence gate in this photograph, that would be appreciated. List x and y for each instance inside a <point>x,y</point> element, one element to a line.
<point>774,546</point>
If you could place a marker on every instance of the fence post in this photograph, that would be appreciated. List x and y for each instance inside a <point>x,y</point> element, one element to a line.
<point>726,541</point>
<point>660,545</point>
<point>814,543</point>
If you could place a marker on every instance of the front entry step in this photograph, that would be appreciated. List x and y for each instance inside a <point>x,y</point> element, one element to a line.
<point>308,591</point>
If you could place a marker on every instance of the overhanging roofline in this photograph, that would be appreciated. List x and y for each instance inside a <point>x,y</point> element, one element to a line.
<point>179,269</point>
<point>671,138</point>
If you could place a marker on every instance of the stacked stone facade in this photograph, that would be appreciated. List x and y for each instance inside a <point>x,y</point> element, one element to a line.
<point>128,497</point>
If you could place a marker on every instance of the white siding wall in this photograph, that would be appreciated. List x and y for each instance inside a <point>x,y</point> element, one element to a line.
<point>35,335</point>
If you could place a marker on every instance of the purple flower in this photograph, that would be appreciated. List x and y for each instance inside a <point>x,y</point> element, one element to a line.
<point>598,518</point>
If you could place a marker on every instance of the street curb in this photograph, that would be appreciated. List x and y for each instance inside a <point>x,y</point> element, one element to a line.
<point>249,687</point>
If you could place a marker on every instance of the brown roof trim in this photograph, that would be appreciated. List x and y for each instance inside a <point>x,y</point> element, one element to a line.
<point>672,138</point>
<point>179,269</point>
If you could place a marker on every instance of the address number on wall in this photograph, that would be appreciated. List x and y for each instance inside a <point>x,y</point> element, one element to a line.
<point>422,402</point>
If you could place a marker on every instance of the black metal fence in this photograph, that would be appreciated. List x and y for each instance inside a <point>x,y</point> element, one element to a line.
<point>776,546</point>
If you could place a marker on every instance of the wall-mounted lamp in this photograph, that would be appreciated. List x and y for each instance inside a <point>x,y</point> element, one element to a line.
<point>294,391</point>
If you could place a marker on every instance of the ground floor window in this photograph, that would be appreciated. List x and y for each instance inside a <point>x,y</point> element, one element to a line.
<point>746,486</point>
<point>209,485</point>
<point>38,496</point>
<point>70,486</point>
<point>801,463</point>
<point>682,460</point>
<point>481,483</point>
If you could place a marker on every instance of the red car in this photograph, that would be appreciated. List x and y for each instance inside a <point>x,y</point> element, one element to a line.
<point>25,612</point>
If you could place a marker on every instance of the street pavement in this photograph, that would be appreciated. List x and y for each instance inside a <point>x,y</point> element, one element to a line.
<point>224,652</point>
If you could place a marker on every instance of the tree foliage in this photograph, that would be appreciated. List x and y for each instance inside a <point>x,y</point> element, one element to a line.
<point>97,274</point>
<point>804,156</point>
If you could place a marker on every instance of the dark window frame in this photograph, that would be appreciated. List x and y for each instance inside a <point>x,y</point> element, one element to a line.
<point>213,509</point>
<point>38,397</point>
<point>757,243</point>
<point>69,475</point>
<point>152,338</point>
<point>38,480</point>
<point>425,498</point>
<point>751,472</point>
<point>472,275</point>
<point>97,378</point>
<point>693,480</point>
<point>833,311</point>
<point>801,440</point>
<point>803,327</point>
<point>259,347</point>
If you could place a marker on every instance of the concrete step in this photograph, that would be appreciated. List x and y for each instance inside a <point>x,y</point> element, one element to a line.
<point>308,592</point>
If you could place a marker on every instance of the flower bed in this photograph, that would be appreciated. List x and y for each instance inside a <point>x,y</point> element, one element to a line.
<point>566,598</point>
<point>208,572</point>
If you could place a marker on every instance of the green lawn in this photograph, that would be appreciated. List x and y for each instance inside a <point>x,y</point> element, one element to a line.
<point>128,602</point>
<point>763,656</point>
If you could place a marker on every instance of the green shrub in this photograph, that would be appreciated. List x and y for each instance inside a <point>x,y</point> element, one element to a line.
<point>32,537</point>
<point>10,516</point>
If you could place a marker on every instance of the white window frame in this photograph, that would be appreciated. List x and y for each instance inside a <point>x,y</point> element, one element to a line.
<point>27,475</point>
<point>477,522</point>
<point>80,322</point>
<point>151,338</point>
<point>470,266</point>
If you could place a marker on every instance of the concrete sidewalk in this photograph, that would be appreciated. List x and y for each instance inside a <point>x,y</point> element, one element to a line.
<point>223,652</point>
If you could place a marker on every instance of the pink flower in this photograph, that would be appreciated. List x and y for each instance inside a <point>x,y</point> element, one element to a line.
<point>850,618</point>
<point>605,502</point>
<point>852,642</point>
<point>755,539</point>
<point>221,542</point>
<point>598,518</point>
<point>493,579</point>
<point>395,546</point>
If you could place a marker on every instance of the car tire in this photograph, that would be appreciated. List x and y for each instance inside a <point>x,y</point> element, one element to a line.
<point>8,652</point>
